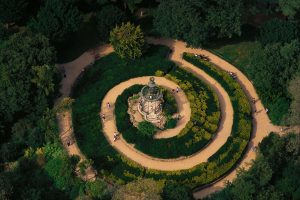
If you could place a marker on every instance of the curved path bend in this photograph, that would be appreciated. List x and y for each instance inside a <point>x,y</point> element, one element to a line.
<point>109,127</point>
<point>261,123</point>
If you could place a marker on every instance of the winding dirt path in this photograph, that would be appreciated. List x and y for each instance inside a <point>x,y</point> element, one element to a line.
<point>261,123</point>
<point>109,127</point>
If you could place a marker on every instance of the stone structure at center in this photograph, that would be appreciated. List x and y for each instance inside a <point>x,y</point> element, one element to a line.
<point>151,102</point>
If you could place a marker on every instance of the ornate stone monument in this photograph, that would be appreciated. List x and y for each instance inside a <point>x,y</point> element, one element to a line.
<point>151,102</point>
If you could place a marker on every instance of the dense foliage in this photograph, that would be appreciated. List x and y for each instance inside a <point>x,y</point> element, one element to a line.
<point>170,104</point>
<point>294,89</point>
<point>91,90</point>
<point>282,61</point>
<point>56,20</point>
<point>128,40</point>
<point>273,175</point>
<point>12,11</point>
<point>277,30</point>
<point>107,18</point>
<point>196,22</point>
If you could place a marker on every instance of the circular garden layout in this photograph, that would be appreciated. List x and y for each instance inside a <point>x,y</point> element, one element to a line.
<point>207,141</point>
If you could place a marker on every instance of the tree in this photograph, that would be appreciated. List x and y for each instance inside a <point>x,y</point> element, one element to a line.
<point>3,32</point>
<point>131,4</point>
<point>23,86</point>
<point>96,189</point>
<point>6,187</point>
<point>174,191</point>
<point>277,30</point>
<point>282,60</point>
<point>43,78</point>
<point>107,18</point>
<point>139,190</point>
<point>289,7</point>
<point>56,19</point>
<point>128,40</point>
<point>12,10</point>
<point>198,21</point>
<point>269,177</point>
<point>226,17</point>
<point>294,90</point>
<point>173,18</point>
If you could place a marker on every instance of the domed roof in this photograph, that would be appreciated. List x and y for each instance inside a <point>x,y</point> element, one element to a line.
<point>151,91</point>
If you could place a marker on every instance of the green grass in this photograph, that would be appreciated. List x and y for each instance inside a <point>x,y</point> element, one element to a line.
<point>237,54</point>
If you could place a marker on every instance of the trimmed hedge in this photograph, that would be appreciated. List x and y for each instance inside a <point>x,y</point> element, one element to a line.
<point>91,89</point>
<point>197,133</point>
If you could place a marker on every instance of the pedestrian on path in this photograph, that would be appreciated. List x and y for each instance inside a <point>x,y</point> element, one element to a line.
<point>103,117</point>
<point>177,89</point>
<point>108,105</point>
<point>267,110</point>
<point>116,134</point>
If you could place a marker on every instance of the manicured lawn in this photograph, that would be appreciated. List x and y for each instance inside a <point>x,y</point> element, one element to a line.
<point>238,54</point>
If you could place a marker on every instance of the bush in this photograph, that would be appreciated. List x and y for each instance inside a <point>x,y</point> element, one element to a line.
<point>170,104</point>
<point>171,123</point>
<point>147,128</point>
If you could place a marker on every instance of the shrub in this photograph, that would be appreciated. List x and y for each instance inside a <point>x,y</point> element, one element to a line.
<point>146,128</point>
<point>171,123</point>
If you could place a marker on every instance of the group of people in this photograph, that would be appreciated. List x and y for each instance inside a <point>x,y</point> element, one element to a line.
<point>116,136</point>
<point>232,74</point>
<point>175,90</point>
<point>203,57</point>
<point>255,111</point>
<point>103,117</point>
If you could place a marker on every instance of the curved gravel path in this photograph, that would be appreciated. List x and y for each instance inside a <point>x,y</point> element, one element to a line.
<point>261,123</point>
<point>109,127</point>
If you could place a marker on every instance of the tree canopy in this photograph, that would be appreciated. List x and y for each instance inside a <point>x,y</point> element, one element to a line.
<point>273,175</point>
<point>107,18</point>
<point>56,19</point>
<point>128,40</point>
<point>294,90</point>
<point>27,73</point>
<point>196,22</point>
<point>12,10</point>
<point>277,30</point>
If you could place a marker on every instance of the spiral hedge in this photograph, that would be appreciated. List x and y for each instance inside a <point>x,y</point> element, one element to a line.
<point>110,71</point>
<point>201,128</point>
